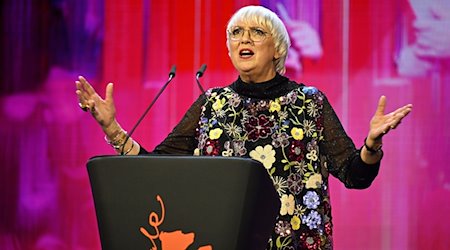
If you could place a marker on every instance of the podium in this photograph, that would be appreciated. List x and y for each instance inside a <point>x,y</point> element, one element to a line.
<point>182,202</point>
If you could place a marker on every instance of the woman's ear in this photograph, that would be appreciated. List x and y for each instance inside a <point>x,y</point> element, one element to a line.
<point>277,55</point>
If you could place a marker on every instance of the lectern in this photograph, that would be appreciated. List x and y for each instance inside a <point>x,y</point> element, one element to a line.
<point>182,202</point>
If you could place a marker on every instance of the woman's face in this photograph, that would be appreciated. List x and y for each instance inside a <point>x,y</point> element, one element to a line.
<point>252,54</point>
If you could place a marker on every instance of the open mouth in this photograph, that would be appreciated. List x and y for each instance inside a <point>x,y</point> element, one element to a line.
<point>246,53</point>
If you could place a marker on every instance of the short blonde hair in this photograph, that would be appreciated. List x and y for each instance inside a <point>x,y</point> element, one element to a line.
<point>268,19</point>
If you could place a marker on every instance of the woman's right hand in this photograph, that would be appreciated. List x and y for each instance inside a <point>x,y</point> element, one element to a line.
<point>103,110</point>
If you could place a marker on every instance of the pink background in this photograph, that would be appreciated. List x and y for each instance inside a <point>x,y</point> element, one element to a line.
<point>45,197</point>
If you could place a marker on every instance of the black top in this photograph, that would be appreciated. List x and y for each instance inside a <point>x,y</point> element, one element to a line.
<point>340,148</point>
<point>294,132</point>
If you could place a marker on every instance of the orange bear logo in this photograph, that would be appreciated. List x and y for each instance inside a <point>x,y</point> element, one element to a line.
<point>176,240</point>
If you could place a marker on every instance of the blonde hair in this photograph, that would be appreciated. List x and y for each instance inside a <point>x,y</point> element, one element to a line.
<point>268,19</point>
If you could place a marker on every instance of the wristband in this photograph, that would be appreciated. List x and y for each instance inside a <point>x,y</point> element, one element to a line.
<point>372,150</point>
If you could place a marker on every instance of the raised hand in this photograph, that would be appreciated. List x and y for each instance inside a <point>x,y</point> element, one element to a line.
<point>103,110</point>
<point>382,123</point>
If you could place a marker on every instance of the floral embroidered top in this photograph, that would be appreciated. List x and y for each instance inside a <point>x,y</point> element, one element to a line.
<point>293,131</point>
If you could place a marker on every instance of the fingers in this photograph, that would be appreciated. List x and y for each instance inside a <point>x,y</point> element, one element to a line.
<point>109,92</point>
<point>81,97</point>
<point>83,91</point>
<point>86,86</point>
<point>397,116</point>
<point>385,123</point>
<point>381,105</point>
<point>86,94</point>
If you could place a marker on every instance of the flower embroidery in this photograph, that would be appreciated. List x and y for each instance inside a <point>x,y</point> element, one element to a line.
<point>280,140</point>
<point>283,115</point>
<point>312,145</point>
<point>210,93</point>
<point>309,90</point>
<point>215,133</point>
<point>228,151</point>
<point>218,104</point>
<point>274,106</point>
<point>280,184</point>
<point>310,241</point>
<point>234,100</point>
<point>282,228</point>
<point>196,152</point>
<point>287,204</point>
<point>296,151</point>
<point>319,123</point>
<point>294,182</point>
<point>295,222</point>
<point>289,130</point>
<point>309,127</point>
<point>312,220</point>
<point>239,148</point>
<point>258,127</point>
<point>311,200</point>
<point>314,181</point>
<point>297,133</point>
<point>202,140</point>
<point>221,113</point>
<point>264,155</point>
<point>301,167</point>
<point>328,228</point>
<point>291,97</point>
<point>312,109</point>
<point>212,147</point>
<point>232,129</point>
<point>312,155</point>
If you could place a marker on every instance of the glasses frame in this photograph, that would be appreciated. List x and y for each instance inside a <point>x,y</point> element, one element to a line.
<point>249,30</point>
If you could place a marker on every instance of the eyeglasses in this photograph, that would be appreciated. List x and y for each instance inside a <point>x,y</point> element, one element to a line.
<point>256,34</point>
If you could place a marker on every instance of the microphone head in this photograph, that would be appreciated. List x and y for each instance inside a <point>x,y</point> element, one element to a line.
<point>172,71</point>
<point>201,70</point>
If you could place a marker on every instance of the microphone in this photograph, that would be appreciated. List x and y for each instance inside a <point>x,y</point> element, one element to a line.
<point>171,76</point>
<point>200,74</point>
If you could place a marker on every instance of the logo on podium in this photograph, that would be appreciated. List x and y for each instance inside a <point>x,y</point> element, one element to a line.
<point>175,240</point>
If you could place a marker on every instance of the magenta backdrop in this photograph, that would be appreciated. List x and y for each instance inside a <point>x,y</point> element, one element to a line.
<point>368,49</point>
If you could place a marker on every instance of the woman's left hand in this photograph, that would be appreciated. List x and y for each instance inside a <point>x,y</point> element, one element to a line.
<point>382,123</point>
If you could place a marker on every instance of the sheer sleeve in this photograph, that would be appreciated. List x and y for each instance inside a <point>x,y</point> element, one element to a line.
<point>181,140</point>
<point>344,159</point>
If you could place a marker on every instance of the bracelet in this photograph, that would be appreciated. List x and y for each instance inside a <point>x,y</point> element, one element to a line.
<point>118,140</point>
<point>372,150</point>
<point>131,148</point>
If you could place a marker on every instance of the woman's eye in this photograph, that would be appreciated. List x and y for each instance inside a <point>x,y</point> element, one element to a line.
<point>236,31</point>
<point>258,32</point>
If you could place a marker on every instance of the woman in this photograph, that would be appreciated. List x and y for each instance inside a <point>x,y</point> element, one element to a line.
<point>290,128</point>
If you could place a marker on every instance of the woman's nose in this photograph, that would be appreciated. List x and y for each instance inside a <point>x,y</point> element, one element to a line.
<point>246,36</point>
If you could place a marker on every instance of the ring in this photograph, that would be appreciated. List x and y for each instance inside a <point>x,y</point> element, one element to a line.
<point>83,107</point>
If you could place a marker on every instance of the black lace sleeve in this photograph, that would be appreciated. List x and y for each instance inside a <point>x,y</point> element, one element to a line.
<point>344,159</point>
<point>181,140</point>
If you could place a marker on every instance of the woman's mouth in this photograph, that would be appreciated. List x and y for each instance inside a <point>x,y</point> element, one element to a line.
<point>246,53</point>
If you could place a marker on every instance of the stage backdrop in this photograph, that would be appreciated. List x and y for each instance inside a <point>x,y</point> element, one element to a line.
<point>354,51</point>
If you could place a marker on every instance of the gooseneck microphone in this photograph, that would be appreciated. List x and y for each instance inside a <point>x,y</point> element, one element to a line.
<point>171,76</point>
<point>200,74</point>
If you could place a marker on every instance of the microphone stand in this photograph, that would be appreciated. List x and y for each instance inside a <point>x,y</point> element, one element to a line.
<point>200,74</point>
<point>171,76</point>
